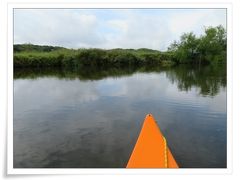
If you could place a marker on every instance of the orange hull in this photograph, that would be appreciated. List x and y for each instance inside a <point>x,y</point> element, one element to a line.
<point>151,150</point>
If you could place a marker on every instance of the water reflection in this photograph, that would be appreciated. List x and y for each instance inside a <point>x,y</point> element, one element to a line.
<point>90,118</point>
<point>209,79</point>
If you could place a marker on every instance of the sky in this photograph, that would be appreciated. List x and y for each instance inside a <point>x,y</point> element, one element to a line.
<point>111,28</point>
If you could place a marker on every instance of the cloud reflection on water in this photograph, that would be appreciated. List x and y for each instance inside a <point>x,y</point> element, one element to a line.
<point>75,123</point>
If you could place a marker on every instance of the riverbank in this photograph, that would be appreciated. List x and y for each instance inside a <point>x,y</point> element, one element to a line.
<point>38,56</point>
<point>209,48</point>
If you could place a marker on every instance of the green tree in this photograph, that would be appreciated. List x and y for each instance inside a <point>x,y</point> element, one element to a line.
<point>208,48</point>
<point>187,49</point>
<point>213,44</point>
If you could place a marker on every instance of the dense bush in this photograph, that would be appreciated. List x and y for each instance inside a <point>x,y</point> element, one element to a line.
<point>37,59</point>
<point>211,47</point>
<point>89,57</point>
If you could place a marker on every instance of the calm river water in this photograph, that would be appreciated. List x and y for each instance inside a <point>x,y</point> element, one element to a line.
<point>92,118</point>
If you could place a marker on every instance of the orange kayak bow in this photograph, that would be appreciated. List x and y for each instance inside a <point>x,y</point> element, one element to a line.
<point>151,150</point>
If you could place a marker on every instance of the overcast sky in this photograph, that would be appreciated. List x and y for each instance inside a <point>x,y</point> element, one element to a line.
<point>111,28</point>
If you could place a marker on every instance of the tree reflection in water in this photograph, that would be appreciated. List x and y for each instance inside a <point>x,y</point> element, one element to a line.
<point>209,78</point>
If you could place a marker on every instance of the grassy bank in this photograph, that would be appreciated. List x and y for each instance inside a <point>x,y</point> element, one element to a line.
<point>91,57</point>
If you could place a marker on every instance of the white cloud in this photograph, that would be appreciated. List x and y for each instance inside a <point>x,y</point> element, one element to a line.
<point>154,29</point>
<point>119,25</point>
<point>56,27</point>
<point>137,31</point>
<point>195,21</point>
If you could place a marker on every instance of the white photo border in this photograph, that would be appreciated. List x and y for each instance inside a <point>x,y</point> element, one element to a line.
<point>184,171</point>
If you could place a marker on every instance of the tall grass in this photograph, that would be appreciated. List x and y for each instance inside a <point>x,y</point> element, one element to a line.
<point>91,57</point>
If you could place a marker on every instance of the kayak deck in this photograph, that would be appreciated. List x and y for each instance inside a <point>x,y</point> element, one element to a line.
<point>151,150</point>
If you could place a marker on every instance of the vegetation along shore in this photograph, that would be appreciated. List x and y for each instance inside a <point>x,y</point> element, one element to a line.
<point>209,48</point>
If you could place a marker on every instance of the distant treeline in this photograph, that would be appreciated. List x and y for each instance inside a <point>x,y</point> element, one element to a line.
<point>36,48</point>
<point>208,48</point>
